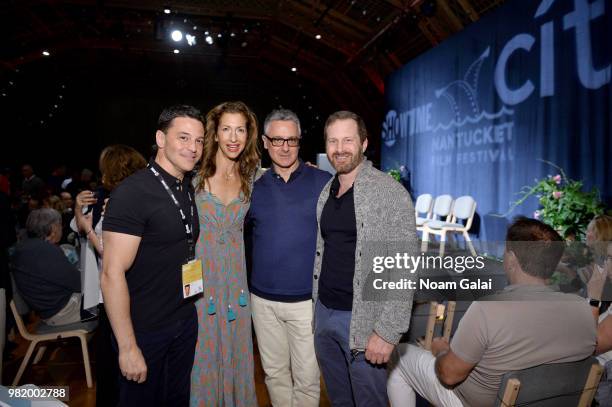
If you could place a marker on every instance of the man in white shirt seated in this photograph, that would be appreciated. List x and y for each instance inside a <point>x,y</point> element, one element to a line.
<point>525,325</point>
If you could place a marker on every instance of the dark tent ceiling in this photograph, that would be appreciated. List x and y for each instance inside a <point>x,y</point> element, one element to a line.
<point>109,60</point>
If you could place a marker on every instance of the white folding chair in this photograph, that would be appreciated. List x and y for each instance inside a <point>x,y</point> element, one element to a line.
<point>464,208</point>
<point>424,204</point>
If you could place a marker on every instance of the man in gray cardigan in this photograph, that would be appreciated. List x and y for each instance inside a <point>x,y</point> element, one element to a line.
<point>361,213</point>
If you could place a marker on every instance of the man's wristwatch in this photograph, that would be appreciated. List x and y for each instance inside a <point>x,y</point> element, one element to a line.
<point>594,303</point>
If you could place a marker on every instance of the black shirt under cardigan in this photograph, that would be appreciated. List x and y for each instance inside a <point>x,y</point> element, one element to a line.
<point>339,232</point>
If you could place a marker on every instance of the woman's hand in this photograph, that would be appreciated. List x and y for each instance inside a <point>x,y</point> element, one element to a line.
<point>596,282</point>
<point>84,198</point>
<point>84,222</point>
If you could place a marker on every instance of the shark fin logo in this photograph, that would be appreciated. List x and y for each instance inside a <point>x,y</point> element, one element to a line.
<point>471,111</point>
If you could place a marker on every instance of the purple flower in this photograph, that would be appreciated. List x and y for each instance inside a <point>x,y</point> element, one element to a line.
<point>557,179</point>
<point>536,215</point>
<point>557,194</point>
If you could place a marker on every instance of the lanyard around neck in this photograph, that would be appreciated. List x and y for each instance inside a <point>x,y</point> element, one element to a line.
<point>186,223</point>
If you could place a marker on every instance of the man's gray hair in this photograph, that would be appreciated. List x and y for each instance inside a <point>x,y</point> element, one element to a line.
<point>282,115</point>
<point>40,221</point>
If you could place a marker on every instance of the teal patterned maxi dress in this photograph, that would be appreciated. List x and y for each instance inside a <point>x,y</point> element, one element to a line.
<point>222,372</point>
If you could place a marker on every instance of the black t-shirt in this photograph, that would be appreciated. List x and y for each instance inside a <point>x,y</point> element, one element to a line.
<point>339,232</point>
<point>140,206</point>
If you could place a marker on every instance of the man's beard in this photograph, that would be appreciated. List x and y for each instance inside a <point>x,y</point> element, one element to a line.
<point>347,166</point>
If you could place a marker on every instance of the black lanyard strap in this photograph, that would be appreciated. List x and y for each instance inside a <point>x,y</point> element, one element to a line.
<point>186,223</point>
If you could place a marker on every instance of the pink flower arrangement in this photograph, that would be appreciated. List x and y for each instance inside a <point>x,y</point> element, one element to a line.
<point>564,204</point>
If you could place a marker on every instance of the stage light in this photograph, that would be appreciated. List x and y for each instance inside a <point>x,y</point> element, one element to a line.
<point>209,40</point>
<point>191,39</point>
<point>46,53</point>
<point>195,27</point>
<point>206,32</point>
<point>219,35</point>
<point>176,51</point>
<point>232,35</point>
<point>293,69</point>
<point>167,11</point>
<point>318,36</point>
<point>244,44</point>
<point>176,35</point>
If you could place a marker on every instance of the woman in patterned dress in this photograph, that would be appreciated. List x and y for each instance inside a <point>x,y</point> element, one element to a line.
<point>222,373</point>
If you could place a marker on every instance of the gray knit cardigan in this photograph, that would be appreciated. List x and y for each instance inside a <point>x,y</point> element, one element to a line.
<point>385,218</point>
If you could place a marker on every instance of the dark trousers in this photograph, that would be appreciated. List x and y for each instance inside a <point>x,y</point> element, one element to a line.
<point>350,380</point>
<point>169,354</point>
<point>107,364</point>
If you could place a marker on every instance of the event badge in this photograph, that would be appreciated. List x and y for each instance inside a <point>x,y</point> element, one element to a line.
<point>192,278</point>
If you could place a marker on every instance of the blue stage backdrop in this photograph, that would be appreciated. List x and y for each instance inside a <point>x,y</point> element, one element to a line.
<point>477,114</point>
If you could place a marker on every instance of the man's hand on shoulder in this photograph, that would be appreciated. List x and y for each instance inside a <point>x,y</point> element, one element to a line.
<point>378,350</point>
<point>132,364</point>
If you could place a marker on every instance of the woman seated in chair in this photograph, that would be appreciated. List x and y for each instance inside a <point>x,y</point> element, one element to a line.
<point>47,281</point>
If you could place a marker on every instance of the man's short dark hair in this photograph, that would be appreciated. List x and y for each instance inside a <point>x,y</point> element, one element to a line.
<point>537,247</point>
<point>170,113</point>
<point>346,115</point>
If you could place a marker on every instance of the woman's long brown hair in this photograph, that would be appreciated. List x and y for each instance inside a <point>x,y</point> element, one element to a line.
<point>248,160</point>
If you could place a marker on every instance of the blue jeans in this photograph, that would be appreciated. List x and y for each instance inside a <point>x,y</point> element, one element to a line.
<point>350,380</point>
<point>169,354</point>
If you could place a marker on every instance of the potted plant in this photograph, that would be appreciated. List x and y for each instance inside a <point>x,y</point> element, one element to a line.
<point>563,204</point>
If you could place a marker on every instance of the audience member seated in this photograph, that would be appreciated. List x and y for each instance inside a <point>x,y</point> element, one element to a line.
<point>525,325</point>
<point>597,276</point>
<point>46,280</point>
<point>599,239</point>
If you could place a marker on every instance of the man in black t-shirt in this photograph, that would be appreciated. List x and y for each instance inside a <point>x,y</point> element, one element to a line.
<point>150,227</point>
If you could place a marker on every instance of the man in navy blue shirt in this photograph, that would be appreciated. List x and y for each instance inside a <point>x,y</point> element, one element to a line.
<point>282,229</point>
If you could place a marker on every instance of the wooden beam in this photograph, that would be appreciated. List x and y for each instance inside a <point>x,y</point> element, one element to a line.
<point>469,10</point>
<point>339,20</point>
<point>450,16</point>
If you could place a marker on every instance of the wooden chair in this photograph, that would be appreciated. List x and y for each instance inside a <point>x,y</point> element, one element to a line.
<point>551,385</point>
<point>46,333</point>
<point>43,333</point>
<point>436,314</point>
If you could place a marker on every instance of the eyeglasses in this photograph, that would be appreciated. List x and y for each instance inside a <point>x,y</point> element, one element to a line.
<point>279,142</point>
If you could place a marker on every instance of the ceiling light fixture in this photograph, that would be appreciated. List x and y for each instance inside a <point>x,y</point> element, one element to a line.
<point>318,36</point>
<point>176,35</point>
<point>167,11</point>
<point>46,53</point>
<point>176,51</point>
